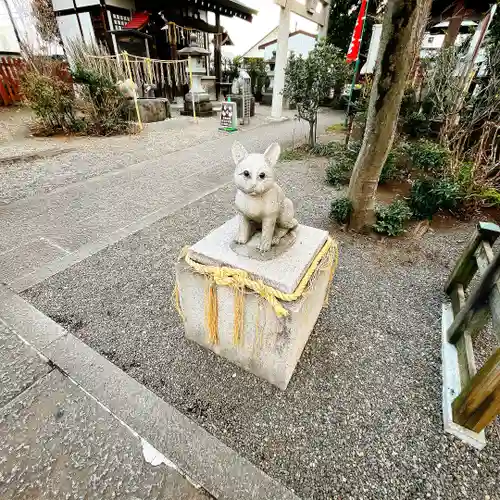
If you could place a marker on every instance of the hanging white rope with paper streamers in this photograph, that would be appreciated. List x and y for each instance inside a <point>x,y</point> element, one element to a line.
<point>166,73</point>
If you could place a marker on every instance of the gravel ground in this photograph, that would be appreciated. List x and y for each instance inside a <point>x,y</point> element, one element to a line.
<point>51,163</point>
<point>361,417</point>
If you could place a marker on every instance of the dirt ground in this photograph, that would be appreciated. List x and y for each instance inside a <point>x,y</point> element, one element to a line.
<point>361,417</point>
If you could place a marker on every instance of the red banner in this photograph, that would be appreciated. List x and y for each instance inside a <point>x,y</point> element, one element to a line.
<point>353,52</point>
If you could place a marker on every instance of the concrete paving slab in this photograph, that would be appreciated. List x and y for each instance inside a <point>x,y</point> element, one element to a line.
<point>57,442</point>
<point>220,470</point>
<point>32,325</point>
<point>147,180</point>
<point>20,365</point>
<point>26,258</point>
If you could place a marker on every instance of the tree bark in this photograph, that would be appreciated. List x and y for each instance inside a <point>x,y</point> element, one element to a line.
<point>455,23</point>
<point>401,34</point>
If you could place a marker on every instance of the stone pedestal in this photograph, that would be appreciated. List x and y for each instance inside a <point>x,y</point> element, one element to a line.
<point>203,108</point>
<point>267,98</point>
<point>270,347</point>
<point>155,109</point>
<point>238,99</point>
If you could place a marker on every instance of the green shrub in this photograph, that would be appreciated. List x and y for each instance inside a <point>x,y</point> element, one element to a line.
<point>105,106</point>
<point>428,156</point>
<point>341,210</point>
<point>416,125</point>
<point>329,149</point>
<point>491,196</point>
<point>390,170</point>
<point>293,154</point>
<point>427,196</point>
<point>50,96</point>
<point>339,170</point>
<point>391,219</point>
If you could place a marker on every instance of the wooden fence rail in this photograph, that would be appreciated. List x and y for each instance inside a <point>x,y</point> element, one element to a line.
<point>10,71</point>
<point>471,397</point>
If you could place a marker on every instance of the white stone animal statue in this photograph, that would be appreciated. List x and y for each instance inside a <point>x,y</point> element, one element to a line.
<point>239,83</point>
<point>260,201</point>
<point>127,88</point>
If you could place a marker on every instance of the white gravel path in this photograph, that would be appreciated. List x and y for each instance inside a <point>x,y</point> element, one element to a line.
<point>361,417</point>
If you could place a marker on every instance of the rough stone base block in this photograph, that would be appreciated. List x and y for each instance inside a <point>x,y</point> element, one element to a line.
<point>151,109</point>
<point>270,347</point>
<point>203,108</point>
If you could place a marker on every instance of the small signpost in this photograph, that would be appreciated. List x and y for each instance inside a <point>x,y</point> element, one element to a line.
<point>228,116</point>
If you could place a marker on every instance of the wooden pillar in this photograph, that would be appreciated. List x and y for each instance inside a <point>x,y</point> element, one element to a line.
<point>455,23</point>
<point>479,403</point>
<point>217,56</point>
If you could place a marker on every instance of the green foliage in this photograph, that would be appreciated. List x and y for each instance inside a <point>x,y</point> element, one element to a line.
<point>428,156</point>
<point>341,210</point>
<point>491,196</point>
<point>391,219</point>
<point>390,170</point>
<point>293,154</point>
<point>416,124</point>
<point>50,95</point>
<point>393,168</point>
<point>231,68</point>
<point>339,170</point>
<point>256,68</point>
<point>342,161</point>
<point>308,80</point>
<point>331,148</point>
<point>343,15</point>
<point>96,77</point>
<point>429,195</point>
<point>336,127</point>
<point>105,105</point>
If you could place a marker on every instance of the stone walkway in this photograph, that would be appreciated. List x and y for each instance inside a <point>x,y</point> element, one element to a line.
<point>56,441</point>
<point>48,232</point>
<point>73,425</point>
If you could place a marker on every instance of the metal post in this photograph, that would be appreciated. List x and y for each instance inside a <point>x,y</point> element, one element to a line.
<point>281,57</point>
<point>217,55</point>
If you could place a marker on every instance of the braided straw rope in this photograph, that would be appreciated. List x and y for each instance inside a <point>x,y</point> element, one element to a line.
<point>238,279</point>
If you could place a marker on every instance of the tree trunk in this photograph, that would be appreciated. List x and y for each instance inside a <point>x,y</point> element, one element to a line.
<point>401,34</point>
<point>455,23</point>
<point>312,140</point>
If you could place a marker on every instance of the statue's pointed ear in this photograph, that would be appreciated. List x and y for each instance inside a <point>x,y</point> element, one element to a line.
<point>239,152</point>
<point>272,154</point>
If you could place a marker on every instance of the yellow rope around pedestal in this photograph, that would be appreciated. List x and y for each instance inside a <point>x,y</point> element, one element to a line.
<point>240,281</point>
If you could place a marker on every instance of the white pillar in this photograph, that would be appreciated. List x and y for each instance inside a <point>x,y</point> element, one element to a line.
<point>281,58</point>
<point>323,30</point>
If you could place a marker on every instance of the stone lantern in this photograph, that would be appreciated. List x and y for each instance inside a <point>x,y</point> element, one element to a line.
<point>197,95</point>
<point>267,96</point>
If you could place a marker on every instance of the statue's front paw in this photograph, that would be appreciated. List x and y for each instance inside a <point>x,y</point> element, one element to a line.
<point>265,246</point>
<point>241,240</point>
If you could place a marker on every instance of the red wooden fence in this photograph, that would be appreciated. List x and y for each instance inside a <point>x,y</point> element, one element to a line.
<point>10,70</point>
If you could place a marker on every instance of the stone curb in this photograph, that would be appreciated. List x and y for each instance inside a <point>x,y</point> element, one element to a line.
<point>34,155</point>
<point>217,468</point>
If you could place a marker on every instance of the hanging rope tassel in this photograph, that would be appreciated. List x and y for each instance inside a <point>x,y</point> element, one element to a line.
<point>212,313</point>
<point>239,311</point>
<point>177,301</point>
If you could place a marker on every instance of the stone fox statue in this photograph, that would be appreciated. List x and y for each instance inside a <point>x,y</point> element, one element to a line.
<point>260,201</point>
